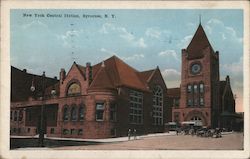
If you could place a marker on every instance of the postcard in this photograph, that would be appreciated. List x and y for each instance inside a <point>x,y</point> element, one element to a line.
<point>127,79</point>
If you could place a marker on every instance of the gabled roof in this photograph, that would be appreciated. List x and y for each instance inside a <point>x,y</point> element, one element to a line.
<point>117,73</point>
<point>198,43</point>
<point>102,80</point>
<point>82,69</point>
<point>173,92</point>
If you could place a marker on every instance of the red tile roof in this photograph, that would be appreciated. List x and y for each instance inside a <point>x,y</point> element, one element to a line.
<point>117,73</point>
<point>198,43</point>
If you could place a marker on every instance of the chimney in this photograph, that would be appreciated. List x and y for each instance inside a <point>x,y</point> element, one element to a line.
<point>62,75</point>
<point>89,76</point>
<point>228,79</point>
<point>24,70</point>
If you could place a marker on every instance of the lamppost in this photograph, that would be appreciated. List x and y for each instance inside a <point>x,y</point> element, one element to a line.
<point>41,125</point>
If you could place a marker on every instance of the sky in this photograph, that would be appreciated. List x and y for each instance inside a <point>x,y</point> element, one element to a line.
<point>48,40</point>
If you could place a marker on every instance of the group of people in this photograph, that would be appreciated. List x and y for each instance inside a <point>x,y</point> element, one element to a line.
<point>130,133</point>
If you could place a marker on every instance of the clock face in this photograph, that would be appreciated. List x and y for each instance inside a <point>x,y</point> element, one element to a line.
<point>196,68</point>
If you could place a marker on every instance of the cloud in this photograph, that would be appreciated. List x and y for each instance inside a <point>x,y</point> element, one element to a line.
<point>133,57</point>
<point>185,41</point>
<point>108,51</point>
<point>68,36</point>
<point>153,33</point>
<point>157,33</point>
<point>128,58</point>
<point>35,23</point>
<point>172,77</point>
<point>141,43</point>
<point>191,25</point>
<point>234,68</point>
<point>124,34</point>
<point>226,32</point>
<point>169,53</point>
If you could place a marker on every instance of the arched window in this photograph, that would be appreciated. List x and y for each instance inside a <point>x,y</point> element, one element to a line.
<point>66,113</point>
<point>20,116</point>
<point>74,89</point>
<point>15,115</point>
<point>201,87</point>
<point>81,113</point>
<point>157,106</point>
<point>195,88</point>
<point>73,113</point>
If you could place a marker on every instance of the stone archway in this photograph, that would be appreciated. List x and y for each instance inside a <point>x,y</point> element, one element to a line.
<point>196,115</point>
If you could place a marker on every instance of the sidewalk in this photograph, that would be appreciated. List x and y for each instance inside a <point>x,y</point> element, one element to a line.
<point>109,140</point>
<point>106,140</point>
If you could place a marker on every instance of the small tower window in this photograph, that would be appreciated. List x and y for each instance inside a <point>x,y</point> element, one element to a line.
<point>195,88</point>
<point>189,88</point>
<point>201,87</point>
<point>190,102</point>
<point>201,101</point>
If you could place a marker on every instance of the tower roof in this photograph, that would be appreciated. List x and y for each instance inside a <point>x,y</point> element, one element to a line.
<point>198,43</point>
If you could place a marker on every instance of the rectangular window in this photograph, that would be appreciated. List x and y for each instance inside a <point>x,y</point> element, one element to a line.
<point>201,101</point>
<point>113,108</point>
<point>73,131</point>
<point>52,130</point>
<point>80,131</point>
<point>195,102</point>
<point>136,104</point>
<point>65,131</point>
<point>99,111</point>
<point>189,88</point>
<point>53,116</point>
<point>11,113</point>
<point>29,115</point>
<point>176,102</point>
<point>190,102</point>
<point>28,130</point>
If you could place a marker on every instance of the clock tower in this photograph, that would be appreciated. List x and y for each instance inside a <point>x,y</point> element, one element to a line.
<point>199,98</point>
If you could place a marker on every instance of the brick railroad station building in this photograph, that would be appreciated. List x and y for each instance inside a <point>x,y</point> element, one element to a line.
<point>107,99</point>
<point>99,101</point>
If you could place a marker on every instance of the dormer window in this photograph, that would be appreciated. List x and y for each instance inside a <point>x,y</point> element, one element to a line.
<point>74,89</point>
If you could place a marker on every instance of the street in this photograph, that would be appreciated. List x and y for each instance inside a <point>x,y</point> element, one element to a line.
<point>231,141</point>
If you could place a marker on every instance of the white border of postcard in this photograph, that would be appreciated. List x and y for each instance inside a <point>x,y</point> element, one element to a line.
<point>5,151</point>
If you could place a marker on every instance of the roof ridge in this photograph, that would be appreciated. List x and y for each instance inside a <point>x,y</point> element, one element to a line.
<point>154,70</point>
<point>116,68</point>
<point>97,76</point>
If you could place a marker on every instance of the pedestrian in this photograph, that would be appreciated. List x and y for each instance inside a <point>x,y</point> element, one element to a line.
<point>129,134</point>
<point>134,134</point>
